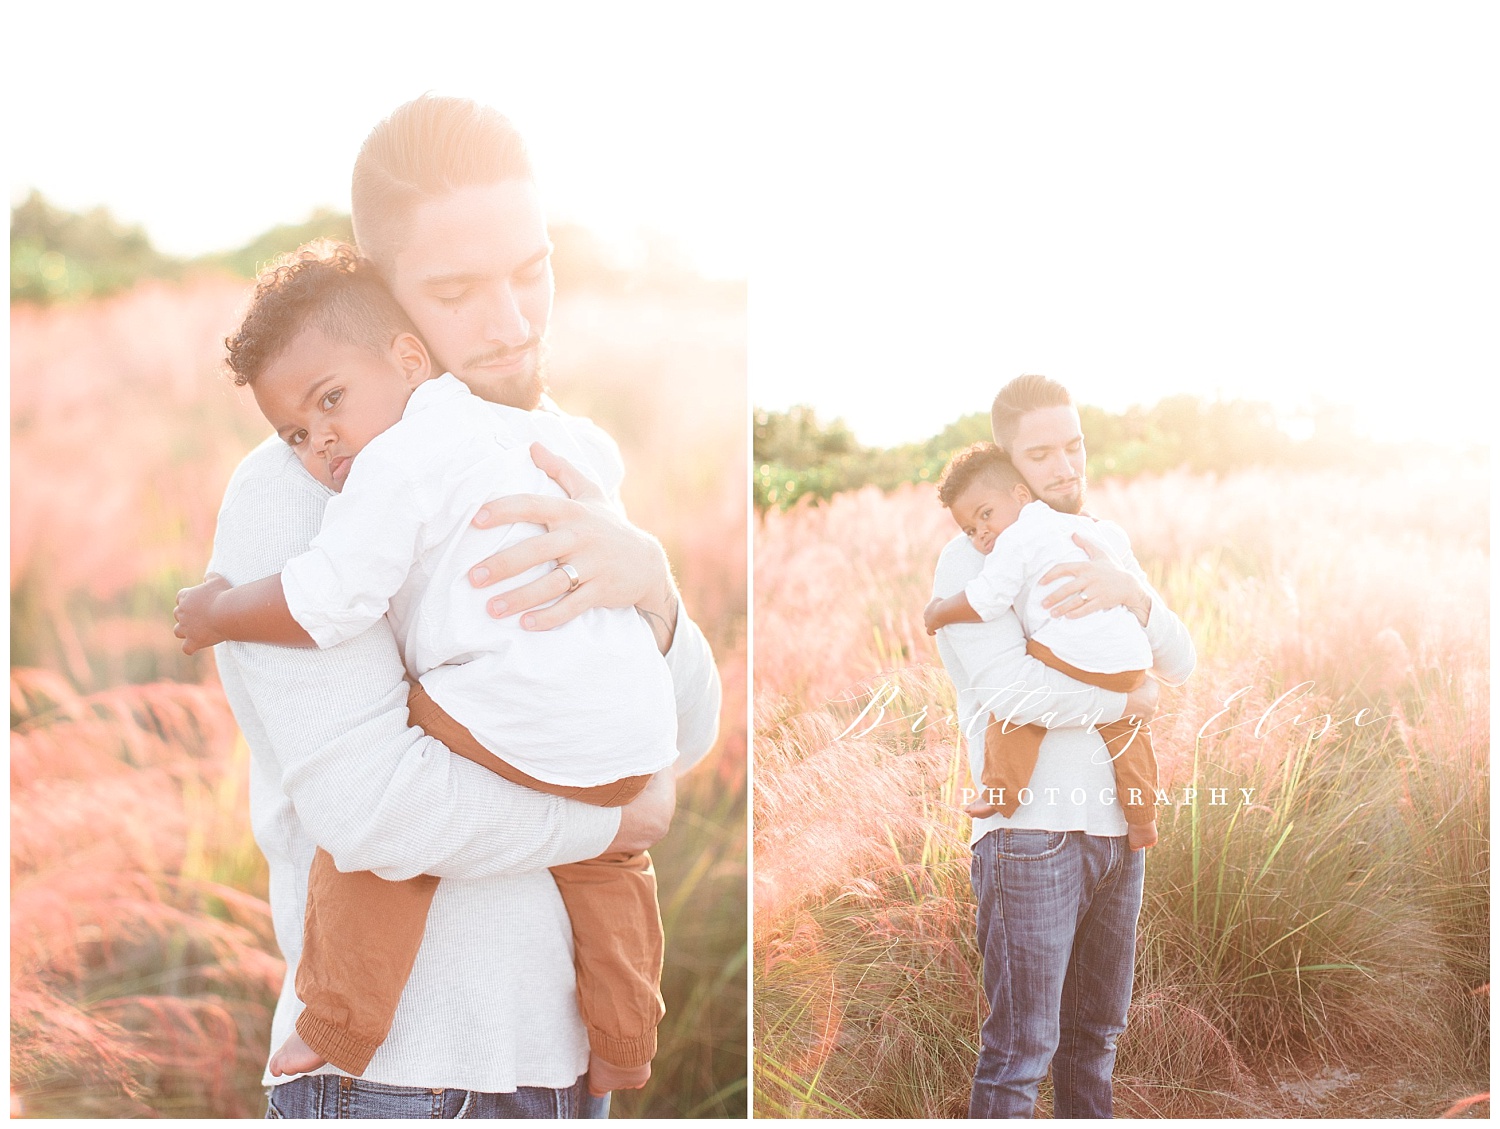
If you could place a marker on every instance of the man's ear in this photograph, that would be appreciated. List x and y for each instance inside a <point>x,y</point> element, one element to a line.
<point>411,355</point>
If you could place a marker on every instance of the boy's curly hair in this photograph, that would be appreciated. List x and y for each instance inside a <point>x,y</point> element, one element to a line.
<point>982,459</point>
<point>325,284</point>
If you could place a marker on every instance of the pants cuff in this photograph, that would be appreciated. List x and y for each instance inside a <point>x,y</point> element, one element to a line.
<point>349,1054</point>
<point>622,1052</point>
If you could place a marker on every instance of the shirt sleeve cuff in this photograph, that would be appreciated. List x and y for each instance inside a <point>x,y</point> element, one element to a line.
<point>1112,706</point>
<point>301,592</point>
<point>587,832</point>
<point>981,596</point>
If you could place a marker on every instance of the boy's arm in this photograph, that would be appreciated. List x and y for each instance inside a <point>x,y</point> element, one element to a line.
<point>329,729</point>
<point>215,611</point>
<point>371,534</point>
<point>949,610</point>
<point>999,581</point>
<point>1006,681</point>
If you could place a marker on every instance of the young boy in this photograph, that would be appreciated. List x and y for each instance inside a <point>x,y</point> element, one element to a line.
<point>1022,539</point>
<point>585,710</point>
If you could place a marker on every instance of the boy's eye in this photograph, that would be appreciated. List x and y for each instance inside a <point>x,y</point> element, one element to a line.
<point>296,438</point>
<point>331,399</point>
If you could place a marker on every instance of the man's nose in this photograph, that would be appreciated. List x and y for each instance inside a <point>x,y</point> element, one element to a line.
<point>505,322</point>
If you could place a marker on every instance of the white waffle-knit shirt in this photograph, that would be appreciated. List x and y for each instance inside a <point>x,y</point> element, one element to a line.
<point>993,676</point>
<point>491,1004</point>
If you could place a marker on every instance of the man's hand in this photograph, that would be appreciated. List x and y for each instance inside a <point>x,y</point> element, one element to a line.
<point>929,616</point>
<point>1094,585</point>
<point>618,565</point>
<point>1142,701</point>
<point>644,821</point>
<point>194,614</point>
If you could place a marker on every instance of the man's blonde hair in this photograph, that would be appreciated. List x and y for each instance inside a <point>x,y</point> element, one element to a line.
<point>1023,394</point>
<point>428,147</point>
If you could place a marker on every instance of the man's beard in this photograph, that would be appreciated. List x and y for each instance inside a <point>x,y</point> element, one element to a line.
<point>1071,503</point>
<point>518,390</point>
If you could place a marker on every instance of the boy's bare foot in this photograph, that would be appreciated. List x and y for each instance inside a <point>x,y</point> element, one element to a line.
<point>606,1076</point>
<point>981,809</point>
<point>296,1057</point>
<point>1141,835</point>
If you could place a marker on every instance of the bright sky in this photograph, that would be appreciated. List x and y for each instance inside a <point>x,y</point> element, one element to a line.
<point>1273,201</point>
<point>209,123</point>
<point>1277,201</point>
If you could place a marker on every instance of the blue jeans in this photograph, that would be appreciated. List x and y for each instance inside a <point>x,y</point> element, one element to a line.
<point>333,1095</point>
<point>1057,917</point>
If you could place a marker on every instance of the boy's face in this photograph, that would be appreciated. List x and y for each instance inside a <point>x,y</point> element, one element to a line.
<point>328,398</point>
<point>474,272</point>
<point>985,509</point>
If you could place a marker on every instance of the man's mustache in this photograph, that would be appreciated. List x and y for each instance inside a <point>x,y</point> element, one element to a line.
<point>500,356</point>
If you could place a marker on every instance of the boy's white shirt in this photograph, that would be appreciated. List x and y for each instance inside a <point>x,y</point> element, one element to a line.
<point>993,676</point>
<point>1104,642</point>
<point>491,1003</point>
<point>584,704</point>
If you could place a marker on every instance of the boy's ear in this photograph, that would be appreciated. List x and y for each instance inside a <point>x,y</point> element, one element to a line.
<point>1022,493</point>
<point>411,355</point>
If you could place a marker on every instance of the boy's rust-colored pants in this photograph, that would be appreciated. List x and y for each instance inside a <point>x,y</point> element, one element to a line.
<point>1010,751</point>
<point>361,934</point>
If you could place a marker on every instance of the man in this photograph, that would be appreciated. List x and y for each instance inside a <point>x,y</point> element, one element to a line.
<point>1058,890</point>
<point>488,1025</point>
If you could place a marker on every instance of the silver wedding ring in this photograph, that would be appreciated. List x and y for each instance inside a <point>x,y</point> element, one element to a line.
<point>1084,596</point>
<point>572,573</point>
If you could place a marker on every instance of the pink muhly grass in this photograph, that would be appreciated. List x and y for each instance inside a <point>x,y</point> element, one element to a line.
<point>1341,626</point>
<point>134,976</point>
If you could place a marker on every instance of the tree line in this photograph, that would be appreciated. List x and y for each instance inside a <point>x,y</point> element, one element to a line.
<point>62,256</point>
<point>797,456</point>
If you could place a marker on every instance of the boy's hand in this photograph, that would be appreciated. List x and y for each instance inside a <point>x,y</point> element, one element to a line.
<point>618,565</point>
<point>929,616</point>
<point>1141,836</point>
<point>194,614</point>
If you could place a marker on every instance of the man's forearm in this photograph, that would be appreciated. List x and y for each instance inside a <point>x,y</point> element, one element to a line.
<point>1172,647</point>
<point>328,729</point>
<point>660,611</point>
<point>1016,688</point>
<point>699,694</point>
<point>381,796</point>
